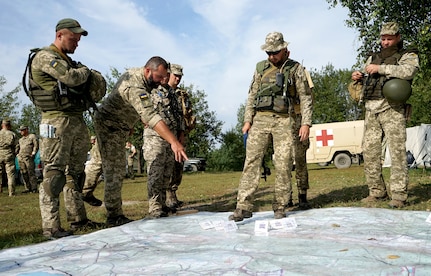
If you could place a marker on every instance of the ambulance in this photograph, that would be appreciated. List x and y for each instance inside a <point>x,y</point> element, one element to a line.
<point>339,143</point>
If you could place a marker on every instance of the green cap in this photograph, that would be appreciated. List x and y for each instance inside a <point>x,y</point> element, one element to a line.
<point>72,25</point>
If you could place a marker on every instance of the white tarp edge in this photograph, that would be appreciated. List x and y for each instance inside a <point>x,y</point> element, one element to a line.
<point>331,241</point>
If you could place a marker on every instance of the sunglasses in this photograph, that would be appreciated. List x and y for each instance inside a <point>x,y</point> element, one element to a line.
<point>273,53</point>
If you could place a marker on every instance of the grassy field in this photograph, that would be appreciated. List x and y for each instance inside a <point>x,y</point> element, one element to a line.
<point>213,192</point>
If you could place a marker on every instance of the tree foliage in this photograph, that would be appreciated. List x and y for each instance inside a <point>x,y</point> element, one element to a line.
<point>414,18</point>
<point>8,102</point>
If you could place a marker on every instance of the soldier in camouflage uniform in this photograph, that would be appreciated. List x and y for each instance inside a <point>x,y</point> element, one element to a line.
<point>268,115</point>
<point>93,171</point>
<point>300,152</point>
<point>9,147</point>
<point>28,147</point>
<point>384,118</point>
<point>63,131</point>
<point>189,123</point>
<point>157,153</point>
<point>130,158</point>
<point>129,102</point>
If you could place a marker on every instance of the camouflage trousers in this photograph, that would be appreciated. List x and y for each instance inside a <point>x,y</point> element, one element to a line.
<point>26,167</point>
<point>8,163</point>
<point>300,157</point>
<point>160,165</point>
<point>390,123</point>
<point>111,141</point>
<point>92,173</point>
<point>267,125</point>
<point>177,176</point>
<point>66,153</point>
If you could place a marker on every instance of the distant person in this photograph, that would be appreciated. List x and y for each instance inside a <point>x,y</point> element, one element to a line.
<point>189,119</point>
<point>268,116</point>
<point>9,147</point>
<point>386,118</point>
<point>300,152</point>
<point>93,171</point>
<point>131,156</point>
<point>63,85</point>
<point>157,152</point>
<point>129,102</point>
<point>28,147</point>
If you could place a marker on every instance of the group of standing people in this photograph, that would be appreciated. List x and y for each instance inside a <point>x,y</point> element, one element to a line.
<point>62,89</point>
<point>279,108</point>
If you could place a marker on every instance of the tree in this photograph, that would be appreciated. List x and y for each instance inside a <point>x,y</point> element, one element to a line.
<point>31,117</point>
<point>414,17</point>
<point>332,101</point>
<point>8,102</point>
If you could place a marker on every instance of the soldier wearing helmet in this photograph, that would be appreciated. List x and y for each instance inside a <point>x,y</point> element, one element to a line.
<point>385,91</point>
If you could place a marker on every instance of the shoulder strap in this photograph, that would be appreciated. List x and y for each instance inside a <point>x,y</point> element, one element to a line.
<point>31,56</point>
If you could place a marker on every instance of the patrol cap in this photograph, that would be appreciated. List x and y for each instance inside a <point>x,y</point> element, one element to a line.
<point>390,28</point>
<point>72,25</point>
<point>23,127</point>
<point>274,42</point>
<point>177,69</point>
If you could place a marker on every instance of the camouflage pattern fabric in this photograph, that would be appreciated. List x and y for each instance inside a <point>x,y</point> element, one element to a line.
<point>385,119</point>
<point>299,155</point>
<point>130,157</point>
<point>9,146</point>
<point>28,147</point>
<point>93,170</point>
<point>65,153</point>
<point>160,164</point>
<point>264,125</point>
<point>177,176</point>
<point>128,102</point>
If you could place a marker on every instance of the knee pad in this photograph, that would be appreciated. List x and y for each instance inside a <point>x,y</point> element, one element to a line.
<point>54,182</point>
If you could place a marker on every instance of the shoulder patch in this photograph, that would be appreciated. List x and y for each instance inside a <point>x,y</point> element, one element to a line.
<point>143,96</point>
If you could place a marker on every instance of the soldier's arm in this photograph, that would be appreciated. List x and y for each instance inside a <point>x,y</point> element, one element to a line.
<point>249,111</point>
<point>407,67</point>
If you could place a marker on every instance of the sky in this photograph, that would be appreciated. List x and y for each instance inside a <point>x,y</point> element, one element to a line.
<point>216,41</point>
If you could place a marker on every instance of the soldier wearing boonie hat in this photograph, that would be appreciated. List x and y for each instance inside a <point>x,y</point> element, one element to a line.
<point>386,118</point>
<point>269,115</point>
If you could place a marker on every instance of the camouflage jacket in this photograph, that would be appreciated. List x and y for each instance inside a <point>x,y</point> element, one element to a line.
<point>9,145</point>
<point>28,145</point>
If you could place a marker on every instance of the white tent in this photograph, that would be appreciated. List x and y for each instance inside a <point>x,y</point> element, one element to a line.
<point>419,144</point>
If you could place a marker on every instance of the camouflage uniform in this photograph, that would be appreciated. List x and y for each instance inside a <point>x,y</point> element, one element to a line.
<point>157,152</point>
<point>29,145</point>
<point>130,158</point>
<point>9,147</point>
<point>93,170</point>
<point>267,124</point>
<point>64,137</point>
<point>128,102</point>
<point>385,119</point>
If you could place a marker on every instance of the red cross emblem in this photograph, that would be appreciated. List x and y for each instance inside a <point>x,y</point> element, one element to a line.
<point>324,138</point>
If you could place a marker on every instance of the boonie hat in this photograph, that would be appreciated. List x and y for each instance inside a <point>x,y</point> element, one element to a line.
<point>93,138</point>
<point>72,25</point>
<point>5,121</point>
<point>177,69</point>
<point>274,42</point>
<point>390,28</point>
<point>23,127</point>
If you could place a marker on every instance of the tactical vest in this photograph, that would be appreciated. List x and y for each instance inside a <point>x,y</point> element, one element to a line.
<point>166,105</point>
<point>373,84</point>
<point>276,95</point>
<point>59,97</point>
<point>186,107</point>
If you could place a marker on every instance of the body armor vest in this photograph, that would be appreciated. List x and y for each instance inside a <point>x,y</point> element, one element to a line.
<point>373,85</point>
<point>277,89</point>
<point>166,105</point>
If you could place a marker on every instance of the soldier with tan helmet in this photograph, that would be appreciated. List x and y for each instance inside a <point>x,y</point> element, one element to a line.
<point>385,117</point>
<point>268,115</point>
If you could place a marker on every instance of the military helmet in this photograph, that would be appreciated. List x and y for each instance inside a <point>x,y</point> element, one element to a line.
<point>397,90</point>
<point>97,86</point>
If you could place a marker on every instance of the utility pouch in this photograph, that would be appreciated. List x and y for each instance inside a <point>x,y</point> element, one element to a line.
<point>264,103</point>
<point>280,104</point>
<point>279,79</point>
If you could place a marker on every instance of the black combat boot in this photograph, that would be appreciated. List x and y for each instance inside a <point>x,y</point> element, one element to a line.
<point>303,203</point>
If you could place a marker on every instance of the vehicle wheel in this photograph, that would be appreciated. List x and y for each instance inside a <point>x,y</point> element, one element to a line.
<point>194,168</point>
<point>342,161</point>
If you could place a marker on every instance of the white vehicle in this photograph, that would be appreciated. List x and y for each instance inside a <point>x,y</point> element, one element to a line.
<point>339,142</point>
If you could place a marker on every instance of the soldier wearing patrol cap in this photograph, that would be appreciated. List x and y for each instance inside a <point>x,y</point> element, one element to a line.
<point>277,82</point>
<point>63,132</point>
<point>28,147</point>
<point>9,147</point>
<point>385,118</point>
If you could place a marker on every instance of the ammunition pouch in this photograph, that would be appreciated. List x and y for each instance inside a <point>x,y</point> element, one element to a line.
<point>271,99</point>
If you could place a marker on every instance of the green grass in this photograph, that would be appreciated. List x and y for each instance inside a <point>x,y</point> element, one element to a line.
<point>212,192</point>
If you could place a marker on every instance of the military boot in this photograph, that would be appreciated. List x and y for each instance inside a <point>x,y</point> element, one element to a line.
<point>303,203</point>
<point>172,200</point>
